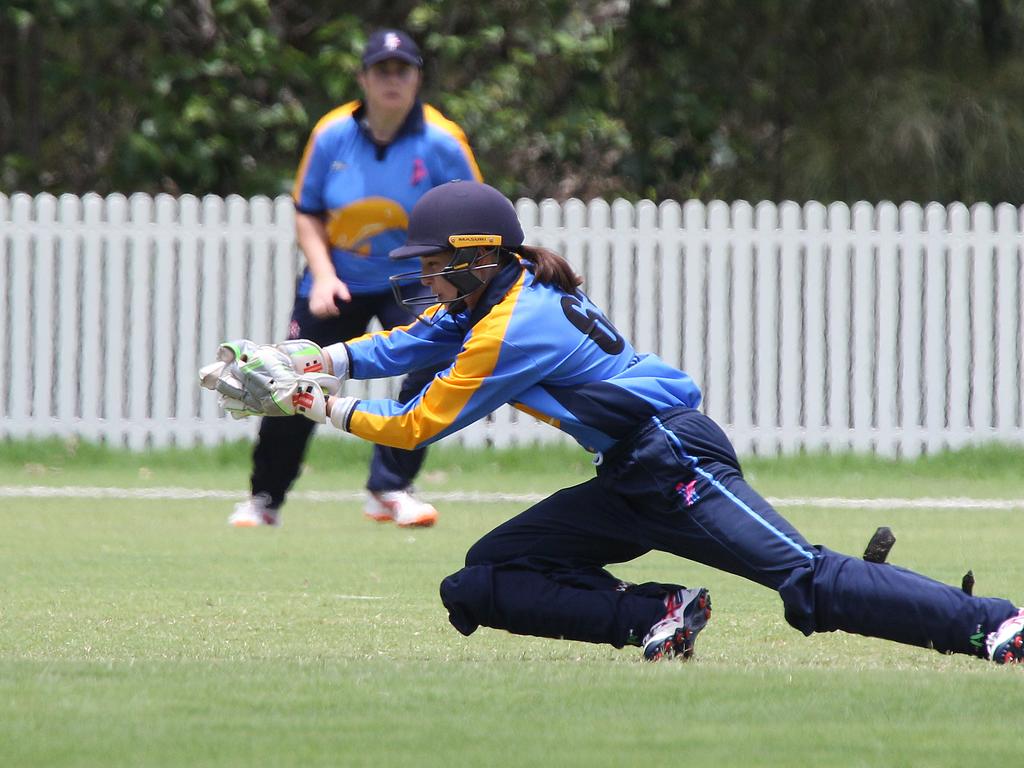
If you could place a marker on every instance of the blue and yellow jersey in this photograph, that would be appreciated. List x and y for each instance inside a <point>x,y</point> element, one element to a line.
<point>549,353</point>
<point>365,191</point>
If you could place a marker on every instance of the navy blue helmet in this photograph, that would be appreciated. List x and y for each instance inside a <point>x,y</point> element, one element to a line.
<point>468,219</point>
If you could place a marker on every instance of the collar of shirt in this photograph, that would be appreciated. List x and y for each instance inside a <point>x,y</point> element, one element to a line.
<point>494,292</point>
<point>414,122</point>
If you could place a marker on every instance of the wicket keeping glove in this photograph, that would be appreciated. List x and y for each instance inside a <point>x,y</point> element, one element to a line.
<point>309,357</point>
<point>260,380</point>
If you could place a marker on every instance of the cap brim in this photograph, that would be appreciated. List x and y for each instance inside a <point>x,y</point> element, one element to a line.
<point>408,58</point>
<point>415,251</point>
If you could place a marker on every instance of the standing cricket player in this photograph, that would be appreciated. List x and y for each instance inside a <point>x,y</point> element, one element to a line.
<point>365,166</point>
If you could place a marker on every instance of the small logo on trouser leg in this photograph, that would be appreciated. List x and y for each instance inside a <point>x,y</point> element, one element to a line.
<point>689,492</point>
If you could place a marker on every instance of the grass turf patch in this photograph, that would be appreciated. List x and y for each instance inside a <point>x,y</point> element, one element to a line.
<point>988,471</point>
<point>149,633</point>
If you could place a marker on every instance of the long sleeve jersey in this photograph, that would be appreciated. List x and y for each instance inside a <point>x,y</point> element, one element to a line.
<point>547,352</point>
<point>364,191</point>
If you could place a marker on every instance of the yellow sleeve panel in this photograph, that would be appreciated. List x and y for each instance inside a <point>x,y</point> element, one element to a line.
<point>439,407</point>
<point>339,113</point>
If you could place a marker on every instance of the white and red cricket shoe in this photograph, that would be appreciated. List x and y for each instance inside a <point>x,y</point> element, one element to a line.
<point>401,507</point>
<point>253,512</point>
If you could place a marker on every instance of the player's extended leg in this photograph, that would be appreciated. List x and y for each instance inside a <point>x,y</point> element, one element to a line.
<point>721,521</point>
<point>542,573</point>
<point>277,457</point>
<point>392,470</point>
<point>282,441</point>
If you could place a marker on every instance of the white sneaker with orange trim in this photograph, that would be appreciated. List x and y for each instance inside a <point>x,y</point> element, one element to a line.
<point>255,511</point>
<point>402,507</point>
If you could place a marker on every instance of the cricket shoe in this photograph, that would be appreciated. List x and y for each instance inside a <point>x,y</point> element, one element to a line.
<point>401,507</point>
<point>254,512</point>
<point>1006,644</point>
<point>686,614</point>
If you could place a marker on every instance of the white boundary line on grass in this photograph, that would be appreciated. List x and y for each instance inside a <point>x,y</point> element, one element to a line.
<point>479,497</point>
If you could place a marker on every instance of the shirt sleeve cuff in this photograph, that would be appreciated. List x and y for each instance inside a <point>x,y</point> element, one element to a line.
<point>341,412</point>
<point>340,360</point>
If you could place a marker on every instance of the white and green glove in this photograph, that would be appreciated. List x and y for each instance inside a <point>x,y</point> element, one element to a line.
<point>308,357</point>
<point>261,380</point>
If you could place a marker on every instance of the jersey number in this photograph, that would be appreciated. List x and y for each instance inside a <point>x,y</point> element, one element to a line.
<point>596,326</point>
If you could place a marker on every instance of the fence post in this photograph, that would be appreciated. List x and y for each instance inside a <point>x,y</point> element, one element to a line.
<point>68,328</point>
<point>694,291</point>
<point>862,342</point>
<point>958,400</point>
<point>935,330</point>
<point>44,313</point>
<point>645,335</point>
<point>790,342</point>
<point>766,338</point>
<point>816,313</point>
<point>984,305</point>
<point>887,369</point>
<point>20,408</point>
<point>165,237</point>
<point>742,325</point>
<point>670,279</point>
<point>137,370</point>
<point>912,329</point>
<point>1009,301</point>
<point>716,309</point>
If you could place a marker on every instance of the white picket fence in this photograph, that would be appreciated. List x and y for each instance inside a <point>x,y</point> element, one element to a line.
<point>898,330</point>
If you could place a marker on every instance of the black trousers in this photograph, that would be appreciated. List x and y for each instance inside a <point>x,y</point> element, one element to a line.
<point>675,486</point>
<point>281,444</point>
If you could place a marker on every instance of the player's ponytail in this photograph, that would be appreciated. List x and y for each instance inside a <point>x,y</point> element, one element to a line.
<point>548,267</point>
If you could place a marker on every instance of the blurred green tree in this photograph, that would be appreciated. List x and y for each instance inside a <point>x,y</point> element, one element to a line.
<point>799,99</point>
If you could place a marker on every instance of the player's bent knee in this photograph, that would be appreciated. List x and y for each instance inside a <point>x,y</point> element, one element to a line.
<point>797,593</point>
<point>467,595</point>
<point>483,553</point>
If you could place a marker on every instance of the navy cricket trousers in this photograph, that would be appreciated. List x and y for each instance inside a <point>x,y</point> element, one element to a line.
<point>281,445</point>
<point>675,486</point>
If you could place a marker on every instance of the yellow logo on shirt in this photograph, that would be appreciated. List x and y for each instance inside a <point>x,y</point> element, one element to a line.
<point>353,226</point>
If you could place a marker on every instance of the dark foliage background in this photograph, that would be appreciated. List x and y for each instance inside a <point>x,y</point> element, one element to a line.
<point>800,99</point>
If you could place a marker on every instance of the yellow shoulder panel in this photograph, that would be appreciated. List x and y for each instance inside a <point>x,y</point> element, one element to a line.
<point>338,113</point>
<point>434,117</point>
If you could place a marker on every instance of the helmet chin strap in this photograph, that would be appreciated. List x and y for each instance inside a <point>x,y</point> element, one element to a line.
<point>461,273</point>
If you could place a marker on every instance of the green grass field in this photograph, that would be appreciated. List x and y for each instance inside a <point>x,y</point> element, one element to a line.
<point>148,633</point>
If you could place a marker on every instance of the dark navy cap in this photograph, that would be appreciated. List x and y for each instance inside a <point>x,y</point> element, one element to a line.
<point>460,208</point>
<point>391,44</point>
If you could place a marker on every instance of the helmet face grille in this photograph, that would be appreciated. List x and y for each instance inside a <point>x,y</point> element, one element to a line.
<point>462,271</point>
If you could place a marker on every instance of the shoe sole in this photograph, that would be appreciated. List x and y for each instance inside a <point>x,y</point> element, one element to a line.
<point>680,644</point>
<point>1012,651</point>
<point>378,518</point>
<point>420,522</point>
<point>423,521</point>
